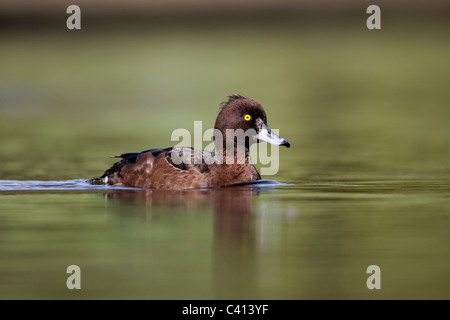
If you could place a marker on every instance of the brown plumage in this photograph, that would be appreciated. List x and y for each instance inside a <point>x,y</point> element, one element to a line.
<point>161,168</point>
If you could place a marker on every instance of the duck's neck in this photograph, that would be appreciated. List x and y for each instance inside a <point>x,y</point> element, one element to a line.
<point>232,149</point>
<point>236,168</point>
<point>236,165</point>
<point>234,155</point>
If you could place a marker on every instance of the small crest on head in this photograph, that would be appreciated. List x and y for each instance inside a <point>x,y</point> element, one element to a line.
<point>231,98</point>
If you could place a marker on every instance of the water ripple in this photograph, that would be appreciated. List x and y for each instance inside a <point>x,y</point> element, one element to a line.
<point>83,184</point>
<point>79,184</point>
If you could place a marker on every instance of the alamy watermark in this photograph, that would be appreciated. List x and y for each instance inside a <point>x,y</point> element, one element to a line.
<point>73,22</point>
<point>74,280</point>
<point>374,20</point>
<point>231,147</point>
<point>374,280</point>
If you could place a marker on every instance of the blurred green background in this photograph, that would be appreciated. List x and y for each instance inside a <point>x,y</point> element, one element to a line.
<point>366,113</point>
<point>69,99</point>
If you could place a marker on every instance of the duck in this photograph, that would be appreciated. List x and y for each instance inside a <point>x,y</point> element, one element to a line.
<point>240,122</point>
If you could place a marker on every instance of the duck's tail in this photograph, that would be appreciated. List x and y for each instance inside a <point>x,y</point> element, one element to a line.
<point>113,176</point>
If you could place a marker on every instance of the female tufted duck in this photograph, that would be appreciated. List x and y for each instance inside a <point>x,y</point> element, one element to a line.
<point>184,168</point>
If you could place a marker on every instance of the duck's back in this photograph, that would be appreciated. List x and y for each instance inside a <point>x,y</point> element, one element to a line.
<point>170,168</point>
<point>175,168</point>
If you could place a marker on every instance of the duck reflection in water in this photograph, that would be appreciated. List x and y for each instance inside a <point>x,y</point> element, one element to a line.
<point>233,243</point>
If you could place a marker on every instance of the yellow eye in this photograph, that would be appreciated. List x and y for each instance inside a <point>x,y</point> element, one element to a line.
<point>247,117</point>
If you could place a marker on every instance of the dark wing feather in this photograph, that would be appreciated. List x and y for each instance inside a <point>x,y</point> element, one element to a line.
<point>127,158</point>
<point>195,159</point>
<point>132,156</point>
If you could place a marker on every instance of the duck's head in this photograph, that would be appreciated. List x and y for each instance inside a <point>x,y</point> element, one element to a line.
<point>244,113</point>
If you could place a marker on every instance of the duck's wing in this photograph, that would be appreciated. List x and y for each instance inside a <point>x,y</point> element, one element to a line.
<point>131,157</point>
<point>113,175</point>
<point>185,158</point>
<point>131,165</point>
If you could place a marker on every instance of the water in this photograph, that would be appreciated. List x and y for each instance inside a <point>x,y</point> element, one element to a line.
<point>261,241</point>
<point>83,184</point>
<point>365,182</point>
<point>74,185</point>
